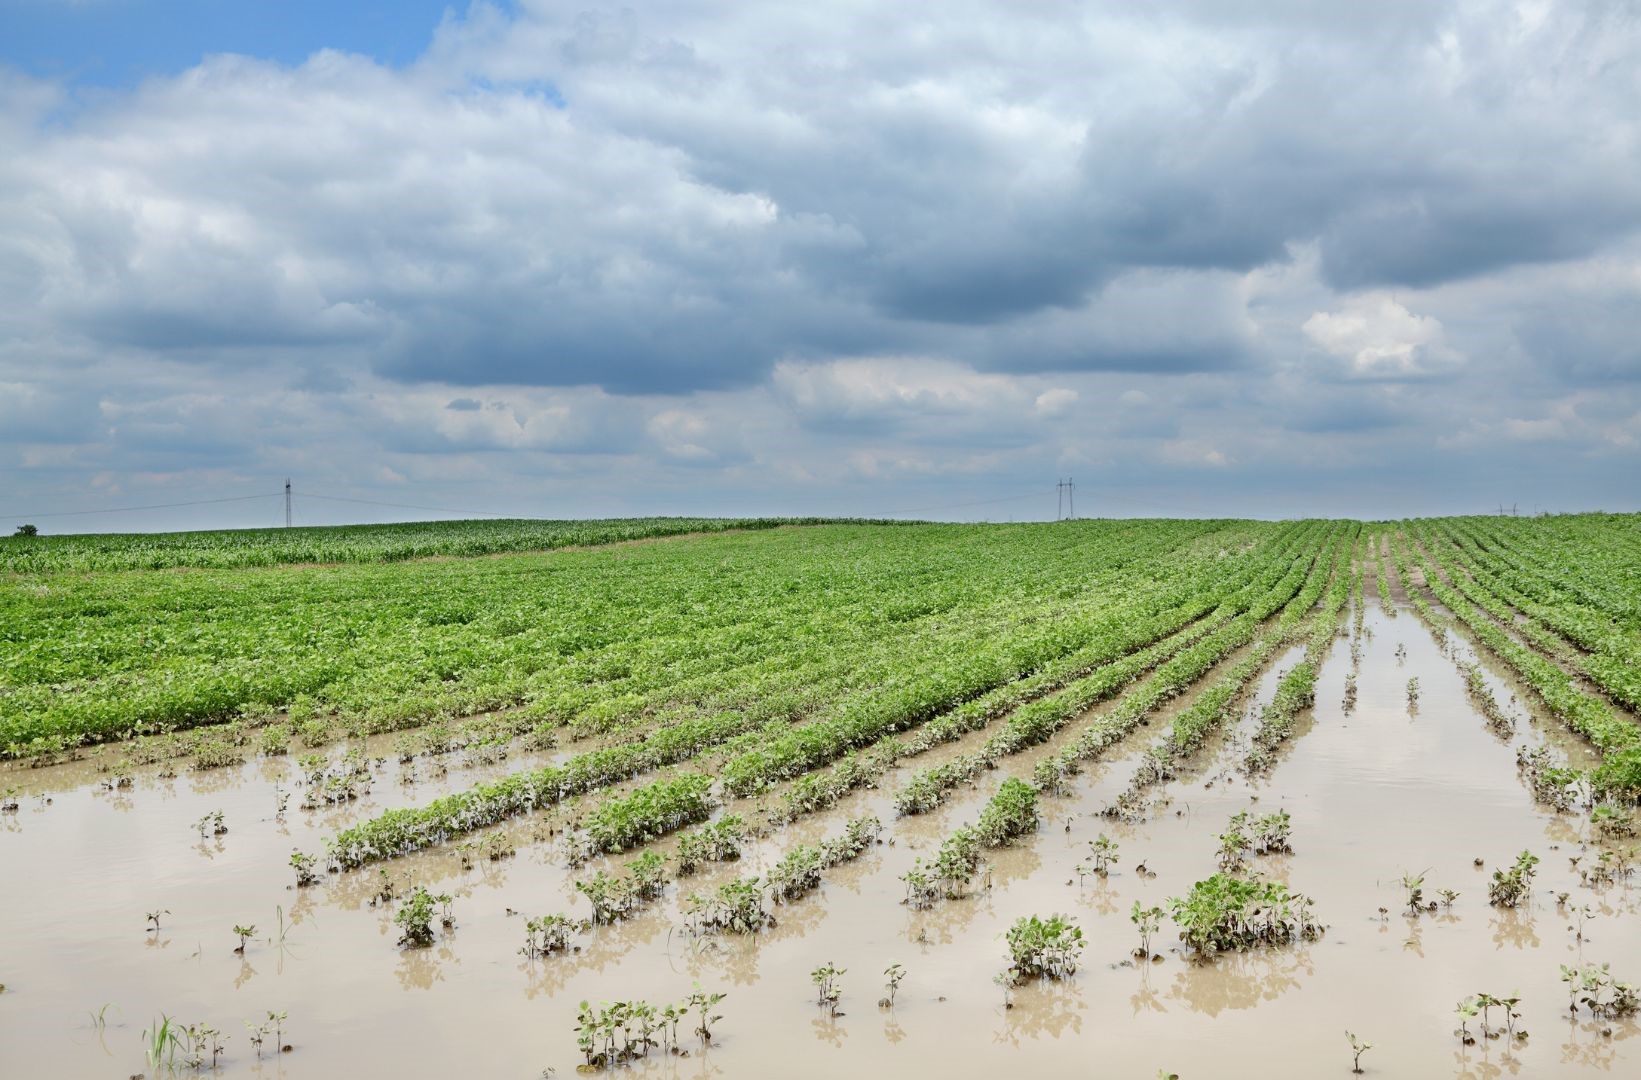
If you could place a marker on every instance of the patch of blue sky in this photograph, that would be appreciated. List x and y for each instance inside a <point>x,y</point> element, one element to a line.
<point>118,43</point>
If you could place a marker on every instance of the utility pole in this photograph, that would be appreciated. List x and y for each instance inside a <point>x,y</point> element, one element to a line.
<point>1071,496</point>
<point>287,502</point>
<point>1059,500</point>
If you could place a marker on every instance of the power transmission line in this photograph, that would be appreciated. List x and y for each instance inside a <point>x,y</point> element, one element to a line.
<point>288,494</point>
<point>154,506</point>
<point>975,502</point>
<point>402,506</point>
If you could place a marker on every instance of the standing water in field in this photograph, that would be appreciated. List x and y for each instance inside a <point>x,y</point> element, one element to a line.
<point>1383,791</point>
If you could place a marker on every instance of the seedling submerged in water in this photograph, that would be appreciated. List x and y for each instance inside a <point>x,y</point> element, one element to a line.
<point>1357,1049</point>
<point>1147,920</point>
<point>1413,885</point>
<point>1102,855</point>
<point>1510,887</point>
<point>415,917</point>
<point>1044,948</point>
<point>304,867</point>
<point>827,990</point>
<point>1594,987</point>
<point>894,973</point>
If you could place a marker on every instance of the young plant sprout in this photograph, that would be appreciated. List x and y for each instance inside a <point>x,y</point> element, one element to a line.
<point>161,1043</point>
<point>1468,1009</point>
<point>1234,845</point>
<point>202,1045</point>
<point>1583,915</point>
<point>1102,855</point>
<point>303,865</point>
<point>893,973</point>
<point>1272,833</point>
<point>548,934</point>
<point>827,990</point>
<point>244,934</point>
<point>1510,887</point>
<point>626,1031</point>
<point>1147,920</point>
<point>1448,896</point>
<point>154,919</point>
<point>1357,1049</point>
<point>1595,988</point>
<point>1413,692</point>
<point>1006,979</point>
<point>703,1004</point>
<point>415,917</point>
<point>1413,884</point>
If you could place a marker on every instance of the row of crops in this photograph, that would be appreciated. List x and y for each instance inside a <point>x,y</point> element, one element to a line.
<point>788,652</point>
<point>1558,602</point>
<point>766,625</point>
<point>344,543</point>
<point>1291,588</point>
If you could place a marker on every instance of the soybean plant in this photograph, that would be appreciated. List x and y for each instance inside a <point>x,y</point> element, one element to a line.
<point>894,973</point>
<point>1357,1049</point>
<point>828,992</point>
<point>1147,920</point>
<point>415,917</point>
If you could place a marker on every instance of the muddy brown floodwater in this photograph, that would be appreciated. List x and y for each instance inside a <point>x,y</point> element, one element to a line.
<point>1372,793</point>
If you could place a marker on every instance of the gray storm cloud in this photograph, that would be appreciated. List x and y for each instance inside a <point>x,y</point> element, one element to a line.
<point>748,248</point>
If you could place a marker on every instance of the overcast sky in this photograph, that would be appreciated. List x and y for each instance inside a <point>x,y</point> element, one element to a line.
<point>1261,259</point>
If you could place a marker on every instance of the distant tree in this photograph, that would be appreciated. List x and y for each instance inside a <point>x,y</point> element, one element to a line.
<point>27,530</point>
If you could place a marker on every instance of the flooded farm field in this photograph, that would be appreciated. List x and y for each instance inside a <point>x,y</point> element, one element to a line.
<point>141,894</point>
